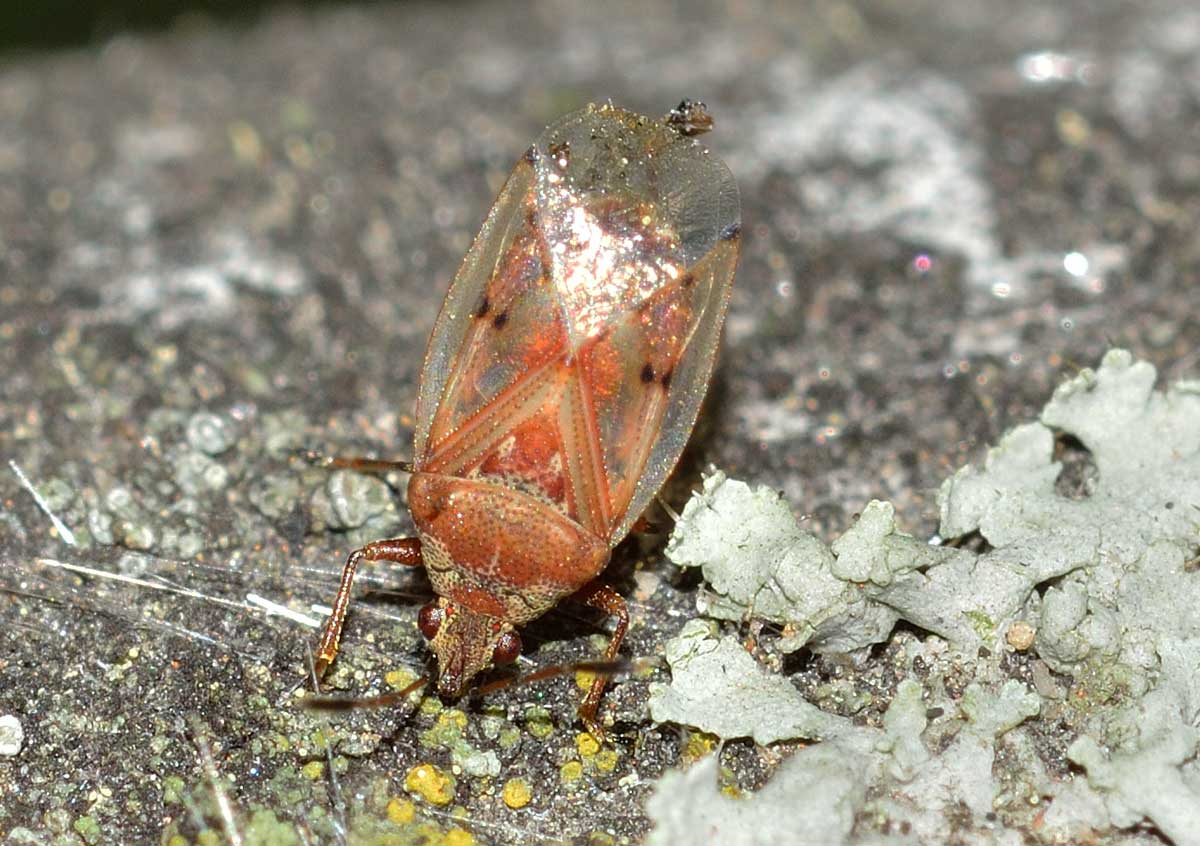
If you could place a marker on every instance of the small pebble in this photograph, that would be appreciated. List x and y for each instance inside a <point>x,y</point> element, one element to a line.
<point>209,433</point>
<point>1020,635</point>
<point>12,736</point>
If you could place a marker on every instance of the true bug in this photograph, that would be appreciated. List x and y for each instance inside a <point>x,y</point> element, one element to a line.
<point>561,382</point>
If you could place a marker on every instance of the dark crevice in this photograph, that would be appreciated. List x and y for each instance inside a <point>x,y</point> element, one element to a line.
<point>972,542</point>
<point>1079,474</point>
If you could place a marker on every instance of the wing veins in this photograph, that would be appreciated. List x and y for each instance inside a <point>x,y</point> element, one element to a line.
<point>506,404</point>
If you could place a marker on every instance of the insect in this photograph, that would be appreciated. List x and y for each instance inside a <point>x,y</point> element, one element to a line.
<point>561,382</point>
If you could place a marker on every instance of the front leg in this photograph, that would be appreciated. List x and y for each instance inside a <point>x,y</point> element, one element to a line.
<point>406,551</point>
<point>596,595</point>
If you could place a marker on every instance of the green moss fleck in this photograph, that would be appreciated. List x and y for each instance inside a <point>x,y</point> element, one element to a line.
<point>88,828</point>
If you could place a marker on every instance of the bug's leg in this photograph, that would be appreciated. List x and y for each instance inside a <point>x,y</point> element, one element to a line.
<point>369,465</point>
<point>356,462</point>
<point>406,551</point>
<point>596,595</point>
<point>645,524</point>
<point>641,525</point>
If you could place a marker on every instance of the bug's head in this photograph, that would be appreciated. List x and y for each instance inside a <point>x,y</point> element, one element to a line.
<point>466,643</point>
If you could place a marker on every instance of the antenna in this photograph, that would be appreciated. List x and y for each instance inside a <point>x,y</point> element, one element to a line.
<point>323,702</point>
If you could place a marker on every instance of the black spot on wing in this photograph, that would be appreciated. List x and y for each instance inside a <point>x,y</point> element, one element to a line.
<point>560,152</point>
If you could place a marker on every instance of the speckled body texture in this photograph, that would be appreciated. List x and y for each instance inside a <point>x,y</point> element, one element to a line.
<point>498,551</point>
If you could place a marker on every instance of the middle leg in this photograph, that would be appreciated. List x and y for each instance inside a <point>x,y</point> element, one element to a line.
<point>354,462</point>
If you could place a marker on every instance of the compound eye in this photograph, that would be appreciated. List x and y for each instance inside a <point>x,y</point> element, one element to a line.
<point>508,647</point>
<point>429,620</point>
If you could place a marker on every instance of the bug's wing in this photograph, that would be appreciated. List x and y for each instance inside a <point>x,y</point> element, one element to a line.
<point>642,382</point>
<point>638,475</point>
<point>465,366</point>
<point>577,339</point>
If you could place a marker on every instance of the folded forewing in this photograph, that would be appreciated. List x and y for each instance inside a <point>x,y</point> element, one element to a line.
<point>501,321</point>
<point>643,444</point>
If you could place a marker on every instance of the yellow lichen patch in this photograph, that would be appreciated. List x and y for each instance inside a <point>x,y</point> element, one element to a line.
<point>321,739</point>
<point>313,769</point>
<point>1020,635</point>
<point>697,745</point>
<point>584,679</point>
<point>571,772</point>
<point>458,837</point>
<point>510,736</point>
<point>245,141</point>
<point>732,791</point>
<point>537,720</point>
<point>400,679</point>
<point>401,811</point>
<point>446,730</point>
<point>430,783</point>
<point>606,760</point>
<point>1073,128</point>
<point>586,744</point>
<point>516,793</point>
<point>452,718</point>
<point>427,834</point>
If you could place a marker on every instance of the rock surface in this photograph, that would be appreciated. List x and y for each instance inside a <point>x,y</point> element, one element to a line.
<point>221,244</point>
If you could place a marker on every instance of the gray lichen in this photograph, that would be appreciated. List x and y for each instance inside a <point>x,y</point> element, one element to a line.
<point>709,672</point>
<point>813,798</point>
<point>1108,581</point>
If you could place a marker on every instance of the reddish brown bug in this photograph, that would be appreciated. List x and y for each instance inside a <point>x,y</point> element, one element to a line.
<point>561,382</point>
